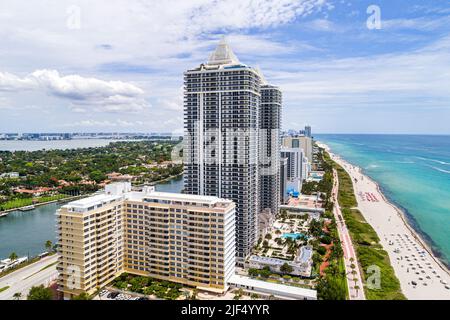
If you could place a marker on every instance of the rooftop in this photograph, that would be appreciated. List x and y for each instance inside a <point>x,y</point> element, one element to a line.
<point>274,288</point>
<point>223,55</point>
<point>187,197</point>
<point>92,201</point>
<point>118,191</point>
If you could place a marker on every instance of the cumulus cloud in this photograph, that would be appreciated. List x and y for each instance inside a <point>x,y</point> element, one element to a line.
<point>235,14</point>
<point>421,23</point>
<point>10,82</point>
<point>83,93</point>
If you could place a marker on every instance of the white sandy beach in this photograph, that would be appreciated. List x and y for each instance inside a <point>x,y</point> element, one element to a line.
<point>421,275</point>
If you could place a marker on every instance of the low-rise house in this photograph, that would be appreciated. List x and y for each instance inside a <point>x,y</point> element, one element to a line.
<point>301,265</point>
<point>265,222</point>
<point>10,175</point>
<point>8,263</point>
<point>122,178</point>
<point>34,192</point>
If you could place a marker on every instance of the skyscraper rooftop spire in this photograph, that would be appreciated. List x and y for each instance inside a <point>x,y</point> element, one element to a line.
<point>223,54</point>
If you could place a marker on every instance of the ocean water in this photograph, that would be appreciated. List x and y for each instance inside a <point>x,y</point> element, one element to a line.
<point>413,172</point>
<point>25,145</point>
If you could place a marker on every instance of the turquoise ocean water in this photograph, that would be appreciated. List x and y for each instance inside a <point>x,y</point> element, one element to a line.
<point>413,172</point>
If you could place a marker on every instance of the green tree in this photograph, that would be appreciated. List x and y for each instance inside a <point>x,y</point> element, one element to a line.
<point>97,176</point>
<point>265,272</point>
<point>286,268</point>
<point>82,296</point>
<point>17,296</point>
<point>252,272</point>
<point>194,294</point>
<point>329,288</point>
<point>254,296</point>
<point>48,245</point>
<point>40,293</point>
<point>13,256</point>
<point>321,250</point>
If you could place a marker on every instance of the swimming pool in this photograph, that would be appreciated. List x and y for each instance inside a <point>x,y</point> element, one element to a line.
<point>293,236</point>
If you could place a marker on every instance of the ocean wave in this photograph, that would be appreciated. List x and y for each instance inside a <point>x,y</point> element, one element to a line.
<point>434,160</point>
<point>439,169</point>
<point>398,161</point>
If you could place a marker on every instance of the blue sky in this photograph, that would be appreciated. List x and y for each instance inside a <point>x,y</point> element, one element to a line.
<point>72,66</point>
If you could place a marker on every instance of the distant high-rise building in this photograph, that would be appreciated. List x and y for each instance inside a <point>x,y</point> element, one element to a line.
<point>308,131</point>
<point>299,141</point>
<point>294,171</point>
<point>283,180</point>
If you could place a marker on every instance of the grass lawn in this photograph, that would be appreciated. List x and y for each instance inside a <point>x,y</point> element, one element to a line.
<point>366,241</point>
<point>42,269</point>
<point>342,280</point>
<point>18,203</point>
<point>148,286</point>
<point>4,288</point>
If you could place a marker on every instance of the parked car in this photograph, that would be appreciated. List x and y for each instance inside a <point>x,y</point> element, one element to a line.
<point>113,295</point>
<point>143,299</point>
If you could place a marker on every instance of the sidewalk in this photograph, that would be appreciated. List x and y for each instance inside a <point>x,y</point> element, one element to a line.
<point>347,246</point>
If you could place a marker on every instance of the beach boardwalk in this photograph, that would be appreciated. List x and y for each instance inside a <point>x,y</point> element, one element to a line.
<point>353,275</point>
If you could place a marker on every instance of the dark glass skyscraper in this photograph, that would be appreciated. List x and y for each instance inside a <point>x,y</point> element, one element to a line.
<point>222,109</point>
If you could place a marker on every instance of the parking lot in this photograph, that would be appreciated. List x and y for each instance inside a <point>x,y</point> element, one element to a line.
<point>115,295</point>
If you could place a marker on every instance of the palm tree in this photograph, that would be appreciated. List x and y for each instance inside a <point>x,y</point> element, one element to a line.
<point>17,296</point>
<point>48,245</point>
<point>194,294</point>
<point>13,256</point>
<point>356,288</point>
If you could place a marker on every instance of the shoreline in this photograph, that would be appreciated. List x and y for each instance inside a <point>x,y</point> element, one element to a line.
<point>6,212</point>
<point>391,233</point>
<point>404,216</point>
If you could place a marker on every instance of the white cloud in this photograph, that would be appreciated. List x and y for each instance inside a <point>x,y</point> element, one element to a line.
<point>378,92</point>
<point>422,23</point>
<point>322,25</point>
<point>10,82</point>
<point>163,37</point>
<point>175,104</point>
<point>83,93</point>
<point>241,14</point>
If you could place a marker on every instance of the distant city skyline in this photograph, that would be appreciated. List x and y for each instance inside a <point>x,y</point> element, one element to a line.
<point>78,66</point>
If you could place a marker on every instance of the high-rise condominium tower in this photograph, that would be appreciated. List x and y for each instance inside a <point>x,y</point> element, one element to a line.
<point>270,124</point>
<point>187,239</point>
<point>222,104</point>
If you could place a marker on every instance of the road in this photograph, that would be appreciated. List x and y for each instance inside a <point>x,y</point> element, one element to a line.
<point>25,278</point>
<point>348,248</point>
